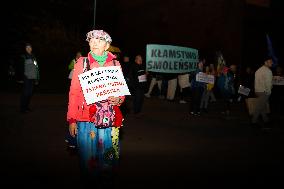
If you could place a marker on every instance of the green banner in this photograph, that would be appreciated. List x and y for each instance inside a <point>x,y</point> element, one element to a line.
<point>170,59</point>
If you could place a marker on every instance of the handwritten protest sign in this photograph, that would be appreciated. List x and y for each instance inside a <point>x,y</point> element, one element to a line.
<point>100,83</point>
<point>278,80</point>
<point>243,90</point>
<point>170,59</point>
<point>203,77</point>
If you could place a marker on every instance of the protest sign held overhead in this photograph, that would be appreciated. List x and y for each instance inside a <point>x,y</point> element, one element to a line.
<point>100,83</point>
<point>170,59</point>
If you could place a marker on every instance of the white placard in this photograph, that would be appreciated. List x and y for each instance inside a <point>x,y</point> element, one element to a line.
<point>243,90</point>
<point>142,78</point>
<point>203,77</point>
<point>100,83</point>
<point>278,80</point>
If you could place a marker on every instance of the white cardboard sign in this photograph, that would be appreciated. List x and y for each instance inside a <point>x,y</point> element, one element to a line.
<point>203,77</point>
<point>142,78</point>
<point>100,83</point>
<point>278,80</point>
<point>243,90</point>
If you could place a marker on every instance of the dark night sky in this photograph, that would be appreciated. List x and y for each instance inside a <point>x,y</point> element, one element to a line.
<point>57,28</point>
<point>34,20</point>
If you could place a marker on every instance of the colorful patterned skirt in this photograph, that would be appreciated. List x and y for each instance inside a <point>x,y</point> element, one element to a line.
<point>98,148</point>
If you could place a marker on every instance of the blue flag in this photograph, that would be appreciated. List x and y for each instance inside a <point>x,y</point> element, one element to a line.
<point>271,51</point>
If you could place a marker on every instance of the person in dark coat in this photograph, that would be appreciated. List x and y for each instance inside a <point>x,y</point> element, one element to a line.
<point>28,75</point>
<point>137,83</point>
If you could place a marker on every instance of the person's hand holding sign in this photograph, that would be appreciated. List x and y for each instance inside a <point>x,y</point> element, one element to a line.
<point>114,100</point>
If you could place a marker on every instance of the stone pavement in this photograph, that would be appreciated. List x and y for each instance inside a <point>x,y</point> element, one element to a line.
<point>164,147</point>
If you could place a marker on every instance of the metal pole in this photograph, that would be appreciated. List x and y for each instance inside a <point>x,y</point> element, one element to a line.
<point>95,6</point>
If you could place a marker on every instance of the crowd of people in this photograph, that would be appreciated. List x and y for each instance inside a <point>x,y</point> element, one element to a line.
<point>228,81</point>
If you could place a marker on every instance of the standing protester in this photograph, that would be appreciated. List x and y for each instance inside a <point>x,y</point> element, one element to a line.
<point>125,65</point>
<point>247,80</point>
<point>28,75</point>
<point>262,88</point>
<point>236,80</point>
<point>206,93</point>
<point>197,89</point>
<point>138,81</point>
<point>97,133</point>
<point>225,85</point>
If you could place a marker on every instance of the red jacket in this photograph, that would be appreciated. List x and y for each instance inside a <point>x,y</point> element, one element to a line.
<point>78,110</point>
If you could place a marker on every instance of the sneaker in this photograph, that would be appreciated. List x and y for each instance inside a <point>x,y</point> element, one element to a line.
<point>147,95</point>
<point>182,102</point>
<point>193,113</point>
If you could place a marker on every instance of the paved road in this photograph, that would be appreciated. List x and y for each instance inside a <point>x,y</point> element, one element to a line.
<point>164,147</point>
